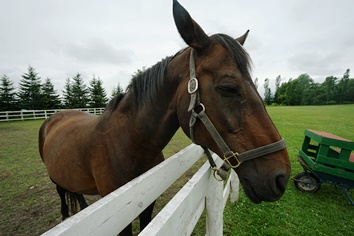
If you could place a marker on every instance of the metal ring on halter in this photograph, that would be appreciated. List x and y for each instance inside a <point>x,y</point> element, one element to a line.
<point>215,173</point>
<point>201,105</point>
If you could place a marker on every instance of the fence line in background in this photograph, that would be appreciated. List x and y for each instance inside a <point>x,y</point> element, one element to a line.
<point>40,114</point>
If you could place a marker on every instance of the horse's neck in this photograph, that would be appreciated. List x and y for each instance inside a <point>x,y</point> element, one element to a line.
<point>153,124</point>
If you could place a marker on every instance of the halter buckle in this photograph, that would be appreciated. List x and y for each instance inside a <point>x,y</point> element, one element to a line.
<point>235,155</point>
<point>192,85</point>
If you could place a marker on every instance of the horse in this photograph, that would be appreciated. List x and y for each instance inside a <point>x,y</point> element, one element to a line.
<point>205,89</point>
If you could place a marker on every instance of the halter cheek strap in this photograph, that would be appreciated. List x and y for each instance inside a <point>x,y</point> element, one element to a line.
<point>197,110</point>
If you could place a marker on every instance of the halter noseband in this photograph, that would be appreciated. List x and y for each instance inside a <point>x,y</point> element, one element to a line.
<point>197,110</point>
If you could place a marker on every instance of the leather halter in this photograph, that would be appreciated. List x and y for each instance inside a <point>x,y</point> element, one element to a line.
<point>197,110</point>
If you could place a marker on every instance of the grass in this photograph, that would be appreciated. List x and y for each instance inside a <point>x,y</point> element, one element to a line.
<point>326,212</point>
<point>29,204</point>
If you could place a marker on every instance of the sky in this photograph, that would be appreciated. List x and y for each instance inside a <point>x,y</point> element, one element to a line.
<point>112,39</point>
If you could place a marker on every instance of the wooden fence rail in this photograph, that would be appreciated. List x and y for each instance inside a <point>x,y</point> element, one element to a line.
<point>40,114</point>
<point>111,214</point>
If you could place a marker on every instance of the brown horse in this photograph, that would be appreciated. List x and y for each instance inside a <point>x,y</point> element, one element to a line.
<point>86,154</point>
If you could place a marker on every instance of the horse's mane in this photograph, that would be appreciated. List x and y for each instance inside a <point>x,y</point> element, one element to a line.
<point>113,104</point>
<point>147,84</point>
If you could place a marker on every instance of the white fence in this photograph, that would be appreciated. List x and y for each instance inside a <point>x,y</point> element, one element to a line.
<point>111,214</point>
<point>40,114</point>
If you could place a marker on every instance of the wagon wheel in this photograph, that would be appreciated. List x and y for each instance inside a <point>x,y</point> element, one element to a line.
<point>307,182</point>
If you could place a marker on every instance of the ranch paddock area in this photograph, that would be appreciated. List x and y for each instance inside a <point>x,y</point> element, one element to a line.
<point>29,204</point>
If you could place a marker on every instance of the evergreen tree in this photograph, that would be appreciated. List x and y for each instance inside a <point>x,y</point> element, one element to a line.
<point>79,92</point>
<point>29,94</point>
<point>117,90</point>
<point>67,95</point>
<point>7,95</point>
<point>98,95</point>
<point>51,99</point>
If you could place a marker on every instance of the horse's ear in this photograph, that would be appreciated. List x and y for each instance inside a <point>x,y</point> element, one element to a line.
<point>242,39</point>
<point>189,30</point>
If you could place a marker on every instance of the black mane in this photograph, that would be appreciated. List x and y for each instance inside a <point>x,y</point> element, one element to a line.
<point>113,104</point>
<point>147,84</point>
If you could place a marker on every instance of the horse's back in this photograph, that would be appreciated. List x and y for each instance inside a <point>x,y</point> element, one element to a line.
<point>63,122</point>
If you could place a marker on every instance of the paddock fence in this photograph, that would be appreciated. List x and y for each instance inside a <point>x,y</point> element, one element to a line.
<point>111,214</point>
<point>40,114</point>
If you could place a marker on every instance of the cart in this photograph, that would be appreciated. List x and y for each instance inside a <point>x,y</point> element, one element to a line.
<point>326,158</point>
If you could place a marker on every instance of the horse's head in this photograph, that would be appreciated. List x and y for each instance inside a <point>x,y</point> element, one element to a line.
<point>224,94</point>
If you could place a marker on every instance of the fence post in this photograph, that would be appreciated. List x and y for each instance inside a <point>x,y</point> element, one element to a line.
<point>235,187</point>
<point>214,207</point>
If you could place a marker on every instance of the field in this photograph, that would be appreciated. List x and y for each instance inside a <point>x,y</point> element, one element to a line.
<point>29,204</point>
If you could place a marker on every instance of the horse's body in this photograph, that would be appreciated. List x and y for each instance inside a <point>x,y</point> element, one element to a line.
<point>86,154</point>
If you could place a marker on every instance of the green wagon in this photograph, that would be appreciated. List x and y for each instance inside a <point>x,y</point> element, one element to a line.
<point>326,158</point>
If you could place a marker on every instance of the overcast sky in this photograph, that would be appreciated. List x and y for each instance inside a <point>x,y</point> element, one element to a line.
<point>113,38</point>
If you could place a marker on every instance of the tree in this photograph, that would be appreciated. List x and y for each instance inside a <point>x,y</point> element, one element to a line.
<point>79,92</point>
<point>267,92</point>
<point>330,86</point>
<point>116,90</point>
<point>98,95</point>
<point>297,90</point>
<point>281,93</point>
<point>51,99</point>
<point>30,90</point>
<point>277,86</point>
<point>67,95</point>
<point>7,95</point>
<point>342,88</point>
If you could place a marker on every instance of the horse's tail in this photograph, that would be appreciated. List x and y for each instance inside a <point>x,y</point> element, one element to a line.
<point>72,202</point>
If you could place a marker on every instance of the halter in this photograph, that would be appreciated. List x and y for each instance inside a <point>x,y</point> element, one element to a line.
<point>197,110</point>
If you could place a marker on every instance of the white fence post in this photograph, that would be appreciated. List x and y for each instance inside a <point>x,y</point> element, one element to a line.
<point>235,187</point>
<point>214,207</point>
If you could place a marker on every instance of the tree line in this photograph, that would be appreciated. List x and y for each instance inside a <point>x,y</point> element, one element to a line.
<point>32,94</point>
<point>304,91</point>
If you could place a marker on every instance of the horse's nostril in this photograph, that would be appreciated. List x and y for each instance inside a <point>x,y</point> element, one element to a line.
<point>281,180</point>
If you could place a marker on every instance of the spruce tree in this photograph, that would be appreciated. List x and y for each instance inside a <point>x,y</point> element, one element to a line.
<point>98,95</point>
<point>7,95</point>
<point>67,95</point>
<point>51,99</point>
<point>79,92</point>
<point>267,92</point>
<point>29,94</point>
<point>116,90</point>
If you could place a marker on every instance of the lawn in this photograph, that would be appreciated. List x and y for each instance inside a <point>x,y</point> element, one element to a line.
<point>29,204</point>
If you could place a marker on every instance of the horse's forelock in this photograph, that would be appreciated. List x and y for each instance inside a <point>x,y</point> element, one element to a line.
<point>239,54</point>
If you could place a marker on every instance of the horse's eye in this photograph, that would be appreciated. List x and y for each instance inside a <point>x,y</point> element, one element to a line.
<point>228,91</point>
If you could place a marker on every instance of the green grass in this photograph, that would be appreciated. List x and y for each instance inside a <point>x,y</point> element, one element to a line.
<point>29,204</point>
<point>326,212</point>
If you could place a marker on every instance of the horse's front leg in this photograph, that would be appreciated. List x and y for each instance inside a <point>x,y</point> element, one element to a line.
<point>127,231</point>
<point>146,215</point>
